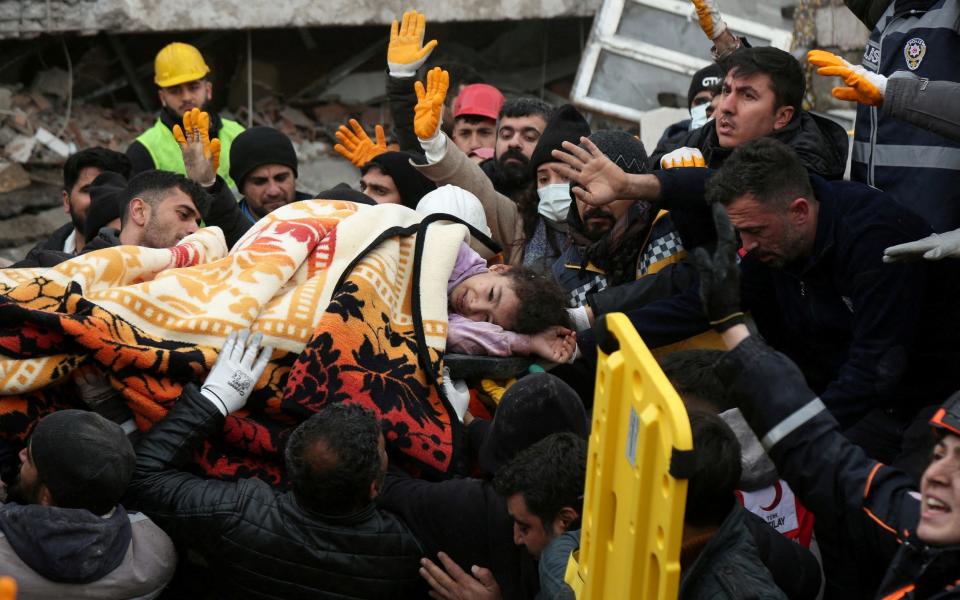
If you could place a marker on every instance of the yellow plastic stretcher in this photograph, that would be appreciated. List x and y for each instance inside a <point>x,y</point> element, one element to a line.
<point>637,466</point>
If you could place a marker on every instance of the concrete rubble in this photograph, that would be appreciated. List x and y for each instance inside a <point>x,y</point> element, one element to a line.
<point>36,137</point>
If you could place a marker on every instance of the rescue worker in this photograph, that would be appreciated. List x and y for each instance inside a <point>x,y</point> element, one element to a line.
<point>181,77</point>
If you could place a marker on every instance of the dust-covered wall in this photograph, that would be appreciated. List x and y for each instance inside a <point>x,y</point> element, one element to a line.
<point>23,18</point>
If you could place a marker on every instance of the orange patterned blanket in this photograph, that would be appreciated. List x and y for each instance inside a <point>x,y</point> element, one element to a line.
<point>342,291</point>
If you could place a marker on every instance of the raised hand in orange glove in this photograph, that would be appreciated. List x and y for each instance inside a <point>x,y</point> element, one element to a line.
<point>201,155</point>
<point>406,52</point>
<point>863,86</point>
<point>356,146</point>
<point>711,22</point>
<point>428,112</point>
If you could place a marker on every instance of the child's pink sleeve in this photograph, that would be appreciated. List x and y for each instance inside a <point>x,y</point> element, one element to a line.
<point>479,337</point>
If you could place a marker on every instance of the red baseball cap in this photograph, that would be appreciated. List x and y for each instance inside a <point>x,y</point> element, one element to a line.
<point>478,99</point>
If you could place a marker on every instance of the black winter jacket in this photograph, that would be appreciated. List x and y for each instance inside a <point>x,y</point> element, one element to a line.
<point>875,508</point>
<point>729,565</point>
<point>259,541</point>
<point>820,143</point>
<point>865,333</point>
<point>468,520</point>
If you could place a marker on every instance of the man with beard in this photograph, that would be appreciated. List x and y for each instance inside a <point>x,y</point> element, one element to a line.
<point>519,127</point>
<point>181,78</point>
<point>65,535</point>
<point>448,165</point>
<point>620,249</point>
<point>78,173</point>
<point>160,209</point>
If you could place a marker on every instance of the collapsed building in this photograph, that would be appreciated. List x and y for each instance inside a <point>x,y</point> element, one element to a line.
<point>79,73</point>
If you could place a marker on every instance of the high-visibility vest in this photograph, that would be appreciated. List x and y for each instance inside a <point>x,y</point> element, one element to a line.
<point>166,154</point>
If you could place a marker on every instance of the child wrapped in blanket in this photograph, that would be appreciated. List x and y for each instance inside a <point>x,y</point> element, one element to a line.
<point>503,311</point>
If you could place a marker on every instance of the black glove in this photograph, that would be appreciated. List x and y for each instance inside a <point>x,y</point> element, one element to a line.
<point>720,275</point>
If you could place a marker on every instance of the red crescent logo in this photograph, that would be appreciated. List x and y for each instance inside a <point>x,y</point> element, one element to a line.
<point>776,498</point>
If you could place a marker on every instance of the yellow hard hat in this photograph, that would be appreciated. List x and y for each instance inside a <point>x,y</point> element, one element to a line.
<point>178,63</point>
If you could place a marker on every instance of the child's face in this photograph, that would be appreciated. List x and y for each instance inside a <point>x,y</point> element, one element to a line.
<point>487,297</point>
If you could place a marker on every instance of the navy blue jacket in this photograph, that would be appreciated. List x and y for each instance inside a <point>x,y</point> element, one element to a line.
<point>875,508</point>
<point>919,38</point>
<point>865,333</point>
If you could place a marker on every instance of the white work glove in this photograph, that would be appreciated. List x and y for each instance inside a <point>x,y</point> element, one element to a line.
<point>237,370</point>
<point>457,393</point>
<point>708,14</point>
<point>933,247</point>
<point>579,318</point>
<point>683,157</point>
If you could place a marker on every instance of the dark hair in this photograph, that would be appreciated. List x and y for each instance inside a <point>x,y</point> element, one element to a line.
<point>541,299</point>
<point>333,457</point>
<point>716,470</point>
<point>691,374</point>
<point>152,187</point>
<point>101,158</point>
<point>786,75</point>
<point>471,119</point>
<point>550,475</point>
<point>765,168</point>
<point>525,107</point>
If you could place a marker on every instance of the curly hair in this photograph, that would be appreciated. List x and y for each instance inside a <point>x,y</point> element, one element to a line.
<point>332,458</point>
<point>541,299</point>
<point>550,474</point>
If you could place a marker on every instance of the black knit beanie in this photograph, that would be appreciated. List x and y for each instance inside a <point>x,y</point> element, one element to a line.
<point>85,460</point>
<point>531,409</point>
<point>411,183</point>
<point>260,146</point>
<point>342,191</point>
<point>565,125</point>
<point>626,151</point>
<point>704,79</point>
<point>106,202</point>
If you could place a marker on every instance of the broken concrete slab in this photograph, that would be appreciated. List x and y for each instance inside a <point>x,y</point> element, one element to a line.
<point>12,177</point>
<point>32,198</point>
<point>31,227</point>
<point>20,149</point>
<point>54,82</point>
<point>128,16</point>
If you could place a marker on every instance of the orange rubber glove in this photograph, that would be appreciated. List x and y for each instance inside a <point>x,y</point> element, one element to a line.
<point>356,146</point>
<point>711,22</point>
<point>682,157</point>
<point>406,52</point>
<point>863,86</point>
<point>429,110</point>
<point>197,126</point>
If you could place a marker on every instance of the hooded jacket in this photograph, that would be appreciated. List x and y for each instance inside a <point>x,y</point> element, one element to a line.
<point>58,553</point>
<point>820,143</point>
<point>875,508</point>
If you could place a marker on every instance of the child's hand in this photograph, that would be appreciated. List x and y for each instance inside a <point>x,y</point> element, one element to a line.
<point>555,344</point>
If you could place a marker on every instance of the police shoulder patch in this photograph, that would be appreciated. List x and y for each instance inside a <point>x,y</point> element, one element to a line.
<point>913,52</point>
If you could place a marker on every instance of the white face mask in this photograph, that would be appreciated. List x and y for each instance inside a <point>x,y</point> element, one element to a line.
<point>698,116</point>
<point>554,201</point>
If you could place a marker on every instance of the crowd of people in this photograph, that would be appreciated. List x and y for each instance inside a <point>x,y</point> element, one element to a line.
<point>809,324</point>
